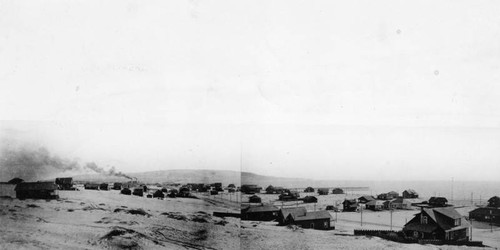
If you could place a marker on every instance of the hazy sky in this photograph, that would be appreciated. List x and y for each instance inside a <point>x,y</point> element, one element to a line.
<point>318,89</point>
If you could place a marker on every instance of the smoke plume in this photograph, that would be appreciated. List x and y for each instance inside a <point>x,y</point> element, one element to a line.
<point>112,171</point>
<point>32,163</point>
<point>36,163</point>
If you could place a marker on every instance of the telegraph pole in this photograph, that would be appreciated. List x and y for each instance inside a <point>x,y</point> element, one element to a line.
<point>391,219</point>
<point>361,215</point>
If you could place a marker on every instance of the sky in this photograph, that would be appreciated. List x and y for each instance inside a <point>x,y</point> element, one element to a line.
<point>325,89</point>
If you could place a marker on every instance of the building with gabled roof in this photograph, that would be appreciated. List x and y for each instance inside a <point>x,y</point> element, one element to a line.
<point>350,205</point>
<point>365,199</point>
<point>315,220</point>
<point>486,214</point>
<point>410,194</point>
<point>284,212</point>
<point>443,223</point>
<point>260,213</point>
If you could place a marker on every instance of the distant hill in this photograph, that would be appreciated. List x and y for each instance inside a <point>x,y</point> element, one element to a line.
<point>226,177</point>
<point>264,181</point>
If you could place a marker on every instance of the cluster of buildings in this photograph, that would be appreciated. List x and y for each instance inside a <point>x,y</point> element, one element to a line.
<point>298,216</point>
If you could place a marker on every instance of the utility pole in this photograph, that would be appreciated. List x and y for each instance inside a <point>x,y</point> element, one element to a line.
<point>361,216</point>
<point>451,189</point>
<point>391,219</point>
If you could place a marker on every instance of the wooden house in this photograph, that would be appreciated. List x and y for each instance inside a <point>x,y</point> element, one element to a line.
<point>250,189</point>
<point>350,205</point>
<point>284,212</point>
<point>138,192</point>
<point>289,196</point>
<point>254,199</point>
<point>158,194</point>
<point>319,220</point>
<point>310,199</point>
<point>410,194</point>
<point>443,223</point>
<point>104,186</point>
<point>37,190</point>
<point>65,183</point>
<point>494,201</point>
<point>400,203</point>
<point>260,213</point>
<point>117,186</point>
<point>323,191</point>
<point>309,190</point>
<point>376,205</point>
<point>438,202</point>
<point>92,186</point>
<point>486,214</point>
<point>126,191</point>
<point>365,199</point>
<point>337,191</point>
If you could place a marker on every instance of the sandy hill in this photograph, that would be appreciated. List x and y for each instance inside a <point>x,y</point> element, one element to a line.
<point>172,176</point>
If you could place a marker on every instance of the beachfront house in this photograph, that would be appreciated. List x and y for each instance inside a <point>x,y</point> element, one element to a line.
<point>410,194</point>
<point>284,212</point>
<point>400,203</point>
<point>37,190</point>
<point>365,199</point>
<point>260,213</point>
<point>104,186</point>
<point>323,191</point>
<point>319,220</point>
<point>438,202</point>
<point>388,196</point>
<point>350,205</point>
<point>494,201</point>
<point>310,199</point>
<point>254,199</point>
<point>337,191</point>
<point>375,205</point>
<point>92,186</point>
<point>486,214</point>
<point>443,223</point>
<point>250,189</point>
<point>65,183</point>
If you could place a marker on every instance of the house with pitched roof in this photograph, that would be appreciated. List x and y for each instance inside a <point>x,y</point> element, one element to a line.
<point>443,223</point>
<point>365,199</point>
<point>284,212</point>
<point>315,220</point>
<point>410,194</point>
<point>260,213</point>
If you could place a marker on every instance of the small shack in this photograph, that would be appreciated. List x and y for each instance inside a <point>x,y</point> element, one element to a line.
<point>319,220</point>
<point>438,202</point>
<point>65,183</point>
<point>410,194</point>
<point>104,186</point>
<point>310,199</point>
<point>309,190</point>
<point>126,191</point>
<point>323,191</point>
<point>250,189</point>
<point>117,185</point>
<point>350,205</point>
<point>158,194</point>
<point>254,199</point>
<point>37,190</point>
<point>260,213</point>
<point>138,192</point>
<point>91,186</point>
<point>337,191</point>
<point>400,203</point>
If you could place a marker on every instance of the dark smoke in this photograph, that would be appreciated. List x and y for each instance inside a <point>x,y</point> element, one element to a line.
<point>92,166</point>
<point>32,163</point>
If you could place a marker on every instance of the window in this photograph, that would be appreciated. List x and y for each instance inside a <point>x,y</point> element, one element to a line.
<point>312,225</point>
<point>325,224</point>
<point>424,219</point>
<point>457,222</point>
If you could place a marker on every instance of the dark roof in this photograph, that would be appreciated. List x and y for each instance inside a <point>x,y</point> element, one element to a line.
<point>367,197</point>
<point>437,199</point>
<point>316,215</point>
<point>411,191</point>
<point>352,201</point>
<point>375,203</point>
<point>65,180</point>
<point>26,186</point>
<point>15,181</point>
<point>261,209</point>
<point>439,216</point>
<point>293,210</point>
<point>486,211</point>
